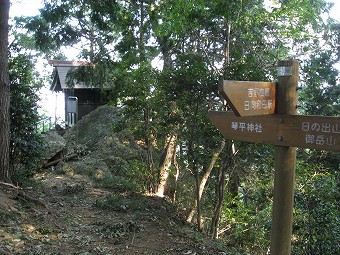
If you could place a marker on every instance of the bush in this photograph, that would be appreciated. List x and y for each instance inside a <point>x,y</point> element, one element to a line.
<point>26,144</point>
<point>316,226</point>
<point>116,183</point>
<point>121,203</point>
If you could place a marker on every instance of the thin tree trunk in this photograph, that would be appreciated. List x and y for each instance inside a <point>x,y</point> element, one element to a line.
<point>141,46</point>
<point>4,93</point>
<point>174,160</point>
<point>227,50</point>
<point>220,197</point>
<point>220,190</point>
<point>233,185</point>
<point>164,170</point>
<point>198,202</point>
<point>222,170</point>
<point>149,147</point>
<point>205,177</point>
<point>141,33</point>
<point>193,162</point>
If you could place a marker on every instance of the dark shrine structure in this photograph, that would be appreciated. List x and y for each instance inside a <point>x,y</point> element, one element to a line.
<point>80,98</point>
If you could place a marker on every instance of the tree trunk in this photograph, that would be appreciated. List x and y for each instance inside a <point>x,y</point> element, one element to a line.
<point>198,201</point>
<point>148,143</point>
<point>4,93</point>
<point>164,170</point>
<point>227,46</point>
<point>192,159</point>
<point>171,139</point>
<point>220,196</point>
<point>205,178</point>
<point>174,160</point>
<point>220,190</point>
<point>233,185</point>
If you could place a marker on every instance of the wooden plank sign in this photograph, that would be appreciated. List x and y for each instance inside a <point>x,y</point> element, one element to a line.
<point>314,132</point>
<point>249,98</point>
<point>283,129</point>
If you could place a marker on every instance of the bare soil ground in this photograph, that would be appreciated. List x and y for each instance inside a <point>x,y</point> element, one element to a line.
<point>69,215</point>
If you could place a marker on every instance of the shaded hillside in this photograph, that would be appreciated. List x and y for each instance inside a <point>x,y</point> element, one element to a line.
<point>67,214</point>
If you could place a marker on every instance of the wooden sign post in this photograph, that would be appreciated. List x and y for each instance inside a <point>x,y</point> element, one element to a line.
<point>313,132</point>
<point>249,98</point>
<point>284,129</point>
<point>285,162</point>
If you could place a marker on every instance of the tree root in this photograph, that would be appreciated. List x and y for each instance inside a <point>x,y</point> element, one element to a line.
<point>10,185</point>
<point>25,198</point>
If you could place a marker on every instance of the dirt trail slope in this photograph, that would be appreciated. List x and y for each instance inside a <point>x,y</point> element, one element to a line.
<point>69,215</point>
<point>82,206</point>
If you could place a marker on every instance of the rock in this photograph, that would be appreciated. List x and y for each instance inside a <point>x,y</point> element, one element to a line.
<point>92,129</point>
<point>105,151</point>
<point>87,166</point>
<point>54,144</point>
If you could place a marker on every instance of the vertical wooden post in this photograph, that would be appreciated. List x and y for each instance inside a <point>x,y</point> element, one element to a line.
<point>285,160</point>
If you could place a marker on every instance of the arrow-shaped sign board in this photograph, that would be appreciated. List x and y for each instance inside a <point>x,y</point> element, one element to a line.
<point>249,98</point>
<point>315,132</point>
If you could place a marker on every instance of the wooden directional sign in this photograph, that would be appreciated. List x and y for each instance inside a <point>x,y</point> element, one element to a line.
<point>249,98</point>
<point>315,132</point>
<point>283,129</point>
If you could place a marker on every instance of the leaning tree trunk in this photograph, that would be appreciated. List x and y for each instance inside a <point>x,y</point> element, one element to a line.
<point>220,190</point>
<point>4,92</point>
<point>164,170</point>
<point>220,197</point>
<point>205,178</point>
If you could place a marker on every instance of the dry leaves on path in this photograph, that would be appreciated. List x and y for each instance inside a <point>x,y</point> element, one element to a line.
<point>81,219</point>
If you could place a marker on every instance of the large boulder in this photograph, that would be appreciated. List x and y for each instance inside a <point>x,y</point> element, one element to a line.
<point>94,138</point>
<point>54,145</point>
<point>92,129</point>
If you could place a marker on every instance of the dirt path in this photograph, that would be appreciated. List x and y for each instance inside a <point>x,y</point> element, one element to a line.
<point>77,218</point>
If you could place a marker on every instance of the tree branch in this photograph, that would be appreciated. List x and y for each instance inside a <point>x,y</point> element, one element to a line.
<point>9,185</point>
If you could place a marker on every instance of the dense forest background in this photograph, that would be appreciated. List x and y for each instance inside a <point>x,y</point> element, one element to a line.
<point>162,61</point>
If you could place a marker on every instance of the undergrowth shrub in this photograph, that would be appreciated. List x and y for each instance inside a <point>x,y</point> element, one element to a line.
<point>316,217</point>
<point>121,203</point>
<point>116,183</point>
<point>26,145</point>
<point>137,173</point>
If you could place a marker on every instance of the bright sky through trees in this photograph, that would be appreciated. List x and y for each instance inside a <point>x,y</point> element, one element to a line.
<point>49,100</point>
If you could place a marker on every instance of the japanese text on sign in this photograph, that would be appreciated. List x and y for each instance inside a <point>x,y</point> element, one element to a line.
<point>320,133</point>
<point>258,99</point>
<point>247,127</point>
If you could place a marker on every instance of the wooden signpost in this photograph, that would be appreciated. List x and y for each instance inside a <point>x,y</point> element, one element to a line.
<point>314,132</point>
<point>265,112</point>
<point>249,98</point>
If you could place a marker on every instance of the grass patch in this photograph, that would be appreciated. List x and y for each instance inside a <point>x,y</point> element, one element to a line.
<point>116,183</point>
<point>6,216</point>
<point>121,203</point>
<point>74,189</point>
